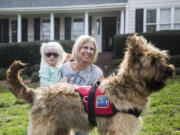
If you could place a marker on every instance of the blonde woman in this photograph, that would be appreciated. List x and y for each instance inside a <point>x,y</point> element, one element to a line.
<point>82,71</point>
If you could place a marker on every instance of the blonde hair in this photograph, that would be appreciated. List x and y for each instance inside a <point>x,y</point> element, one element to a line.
<point>52,45</point>
<point>80,42</point>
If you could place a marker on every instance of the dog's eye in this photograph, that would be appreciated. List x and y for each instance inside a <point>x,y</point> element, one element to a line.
<point>153,61</point>
<point>140,54</point>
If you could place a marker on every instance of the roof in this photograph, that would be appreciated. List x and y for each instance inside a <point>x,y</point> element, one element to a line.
<point>53,3</point>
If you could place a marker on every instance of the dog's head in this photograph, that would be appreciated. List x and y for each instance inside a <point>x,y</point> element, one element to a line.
<point>147,63</point>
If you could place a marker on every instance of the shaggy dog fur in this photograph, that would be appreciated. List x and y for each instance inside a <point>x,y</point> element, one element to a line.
<point>56,110</point>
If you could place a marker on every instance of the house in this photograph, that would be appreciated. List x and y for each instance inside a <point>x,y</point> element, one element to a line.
<point>30,20</point>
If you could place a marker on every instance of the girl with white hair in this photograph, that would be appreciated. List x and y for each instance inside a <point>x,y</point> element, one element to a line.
<point>52,58</point>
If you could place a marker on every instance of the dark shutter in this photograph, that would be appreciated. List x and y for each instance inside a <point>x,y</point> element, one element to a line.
<point>90,25</point>
<point>56,28</point>
<point>36,28</point>
<point>1,31</point>
<point>24,29</point>
<point>67,28</point>
<point>139,20</point>
<point>6,30</point>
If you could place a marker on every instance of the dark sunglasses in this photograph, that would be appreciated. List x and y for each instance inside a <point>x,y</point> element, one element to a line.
<point>49,54</point>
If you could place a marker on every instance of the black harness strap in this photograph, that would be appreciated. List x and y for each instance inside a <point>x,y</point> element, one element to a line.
<point>136,112</point>
<point>91,115</point>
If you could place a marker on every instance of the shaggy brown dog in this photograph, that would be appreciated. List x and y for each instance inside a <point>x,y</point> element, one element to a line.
<point>58,109</point>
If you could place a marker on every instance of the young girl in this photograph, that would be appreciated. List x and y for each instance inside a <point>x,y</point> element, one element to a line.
<point>52,57</point>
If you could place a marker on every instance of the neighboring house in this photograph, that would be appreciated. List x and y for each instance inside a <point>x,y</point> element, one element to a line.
<point>29,20</point>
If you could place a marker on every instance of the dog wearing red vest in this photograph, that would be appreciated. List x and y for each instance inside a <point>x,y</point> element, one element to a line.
<point>113,106</point>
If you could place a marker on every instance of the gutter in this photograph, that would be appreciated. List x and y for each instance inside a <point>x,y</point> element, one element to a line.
<point>59,9</point>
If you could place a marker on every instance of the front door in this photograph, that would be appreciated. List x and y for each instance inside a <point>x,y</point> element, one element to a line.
<point>108,32</point>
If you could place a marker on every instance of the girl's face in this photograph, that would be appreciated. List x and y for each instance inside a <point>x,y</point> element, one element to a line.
<point>51,56</point>
<point>86,52</point>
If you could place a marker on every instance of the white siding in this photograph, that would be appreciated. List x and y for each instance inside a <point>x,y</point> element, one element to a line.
<point>134,4</point>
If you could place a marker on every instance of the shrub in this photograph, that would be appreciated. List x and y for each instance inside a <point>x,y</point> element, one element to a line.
<point>177,70</point>
<point>28,52</point>
<point>35,77</point>
<point>166,40</point>
<point>175,60</point>
<point>3,73</point>
<point>30,69</point>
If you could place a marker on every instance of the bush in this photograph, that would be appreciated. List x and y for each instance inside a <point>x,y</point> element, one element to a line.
<point>177,70</point>
<point>28,52</point>
<point>166,40</point>
<point>175,60</point>
<point>35,77</point>
<point>30,69</point>
<point>3,73</point>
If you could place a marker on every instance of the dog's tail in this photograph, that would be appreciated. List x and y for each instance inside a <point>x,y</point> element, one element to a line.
<point>15,84</point>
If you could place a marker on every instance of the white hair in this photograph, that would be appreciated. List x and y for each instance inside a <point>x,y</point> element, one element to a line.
<point>56,46</point>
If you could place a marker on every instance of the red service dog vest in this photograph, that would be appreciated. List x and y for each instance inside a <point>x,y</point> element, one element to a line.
<point>102,105</point>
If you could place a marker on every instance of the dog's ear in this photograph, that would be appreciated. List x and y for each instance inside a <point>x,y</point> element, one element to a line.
<point>135,47</point>
<point>131,40</point>
<point>136,43</point>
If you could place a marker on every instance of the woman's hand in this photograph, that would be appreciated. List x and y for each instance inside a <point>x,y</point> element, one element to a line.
<point>63,80</point>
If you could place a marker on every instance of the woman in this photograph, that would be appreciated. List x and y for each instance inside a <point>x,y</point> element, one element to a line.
<point>82,71</point>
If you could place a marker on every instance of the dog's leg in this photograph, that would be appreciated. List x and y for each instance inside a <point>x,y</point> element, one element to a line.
<point>124,125</point>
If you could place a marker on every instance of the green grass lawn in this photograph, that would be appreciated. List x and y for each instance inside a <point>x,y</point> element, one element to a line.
<point>162,118</point>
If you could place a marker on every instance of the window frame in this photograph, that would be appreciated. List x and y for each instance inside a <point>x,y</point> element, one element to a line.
<point>73,36</point>
<point>150,24</point>
<point>165,23</point>
<point>178,22</point>
<point>42,37</point>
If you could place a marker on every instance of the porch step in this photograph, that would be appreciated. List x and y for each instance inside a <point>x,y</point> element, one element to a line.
<point>104,61</point>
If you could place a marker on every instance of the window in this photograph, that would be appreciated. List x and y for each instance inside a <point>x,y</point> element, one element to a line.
<point>165,19</point>
<point>177,19</point>
<point>77,28</point>
<point>45,29</point>
<point>151,20</point>
<point>98,26</point>
<point>14,30</point>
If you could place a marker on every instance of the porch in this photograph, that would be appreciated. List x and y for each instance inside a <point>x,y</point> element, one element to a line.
<point>63,25</point>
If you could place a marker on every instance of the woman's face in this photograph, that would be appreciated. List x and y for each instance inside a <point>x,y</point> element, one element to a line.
<point>51,57</point>
<point>87,52</point>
